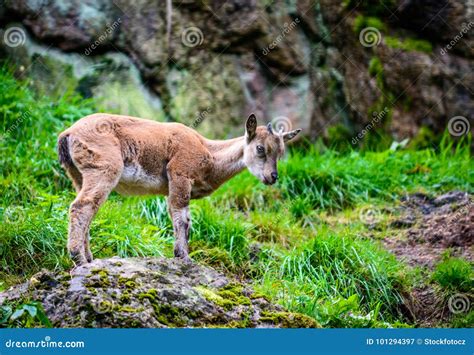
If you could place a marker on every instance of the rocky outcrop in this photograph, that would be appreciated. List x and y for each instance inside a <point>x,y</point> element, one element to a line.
<point>149,293</point>
<point>328,67</point>
<point>390,58</point>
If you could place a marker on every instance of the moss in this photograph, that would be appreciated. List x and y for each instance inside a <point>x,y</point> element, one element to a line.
<point>235,293</point>
<point>257,295</point>
<point>102,281</point>
<point>152,294</point>
<point>289,320</point>
<point>127,282</point>
<point>166,314</point>
<point>125,297</point>
<point>128,309</point>
<point>228,297</point>
<point>362,22</point>
<point>169,315</point>
<point>375,67</point>
<point>234,287</point>
<point>376,70</point>
<point>92,290</point>
<point>130,284</point>
<point>409,44</point>
<point>106,306</point>
<point>212,256</point>
<point>245,323</point>
<point>237,299</point>
<point>213,297</point>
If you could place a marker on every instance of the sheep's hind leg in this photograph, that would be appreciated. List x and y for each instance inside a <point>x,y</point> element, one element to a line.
<point>95,189</point>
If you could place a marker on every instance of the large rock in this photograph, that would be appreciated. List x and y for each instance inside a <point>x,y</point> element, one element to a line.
<point>197,69</point>
<point>301,60</point>
<point>112,78</point>
<point>146,292</point>
<point>420,80</point>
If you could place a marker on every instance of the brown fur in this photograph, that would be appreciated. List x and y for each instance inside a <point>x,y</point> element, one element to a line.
<point>104,152</point>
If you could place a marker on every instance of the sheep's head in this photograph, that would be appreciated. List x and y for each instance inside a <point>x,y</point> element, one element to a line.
<point>263,148</point>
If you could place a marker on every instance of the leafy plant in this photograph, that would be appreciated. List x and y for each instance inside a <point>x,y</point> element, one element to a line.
<point>26,315</point>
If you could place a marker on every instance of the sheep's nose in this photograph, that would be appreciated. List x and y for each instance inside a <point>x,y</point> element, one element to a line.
<point>274,176</point>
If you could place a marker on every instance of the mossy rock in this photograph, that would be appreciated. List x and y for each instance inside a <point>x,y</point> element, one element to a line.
<point>147,292</point>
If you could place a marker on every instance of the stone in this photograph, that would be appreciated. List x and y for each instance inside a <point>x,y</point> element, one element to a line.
<point>302,60</point>
<point>150,292</point>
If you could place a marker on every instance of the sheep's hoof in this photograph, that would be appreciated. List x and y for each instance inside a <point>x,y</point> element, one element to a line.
<point>78,258</point>
<point>89,256</point>
<point>185,258</point>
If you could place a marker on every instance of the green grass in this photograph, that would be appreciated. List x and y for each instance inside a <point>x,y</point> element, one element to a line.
<point>301,241</point>
<point>335,267</point>
<point>454,274</point>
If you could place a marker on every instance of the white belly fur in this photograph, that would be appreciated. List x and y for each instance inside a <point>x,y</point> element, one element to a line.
<point>135,181</point>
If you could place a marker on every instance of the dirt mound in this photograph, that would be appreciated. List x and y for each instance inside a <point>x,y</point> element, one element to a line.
<point>146,292</point>
<point>427,227</point>
<point>435,224</point>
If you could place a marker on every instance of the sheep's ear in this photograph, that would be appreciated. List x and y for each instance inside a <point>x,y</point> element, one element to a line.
<point>291,134</point>
<point>250,127</point>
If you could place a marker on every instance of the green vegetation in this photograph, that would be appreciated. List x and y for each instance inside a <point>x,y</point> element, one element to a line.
<point>28,315</point>
<point>406,43</point>
<point>409,44</point>
<point>455,274</point>
<point>362,22</point>
<point>300,242</point>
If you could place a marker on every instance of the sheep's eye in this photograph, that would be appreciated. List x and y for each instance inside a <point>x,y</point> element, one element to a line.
<point>260,150</point>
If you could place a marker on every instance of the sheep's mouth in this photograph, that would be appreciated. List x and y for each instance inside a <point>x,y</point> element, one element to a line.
<point>267,182</point>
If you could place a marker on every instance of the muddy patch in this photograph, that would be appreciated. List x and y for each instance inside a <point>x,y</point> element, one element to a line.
<point>433,225</point>
<point>426,228</point>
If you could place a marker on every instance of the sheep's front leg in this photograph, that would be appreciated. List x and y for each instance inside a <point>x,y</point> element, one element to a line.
<point>178,205</point>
